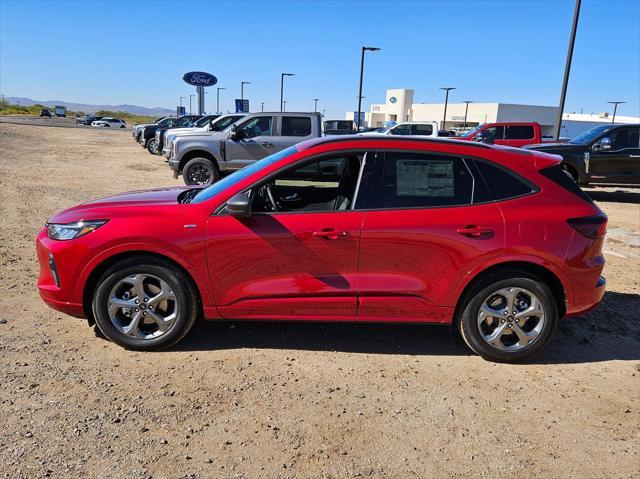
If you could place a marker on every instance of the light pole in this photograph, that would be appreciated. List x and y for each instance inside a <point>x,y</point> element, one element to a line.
<point>567,67</point>
<point>364,49</point>
<point>282,75</point>
<point>218,99</point>
<point>190,97</point>
<point>615,108</point>
<point>315,105</point>
<point>242,84</point>
<point>181,98</point>
<point>284,105</point>
<point>447,89</point>
<point>466,110</point>
<point>262,106</point>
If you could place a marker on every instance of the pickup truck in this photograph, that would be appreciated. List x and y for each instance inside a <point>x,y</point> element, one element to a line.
<point>606,154</point>
<point>409,128</point>
<point>507,133</point>
<point>339,127</point>
<point>137,128</point>
<point>201,158</point>
<point>206,124</point>
<point>146,136</point>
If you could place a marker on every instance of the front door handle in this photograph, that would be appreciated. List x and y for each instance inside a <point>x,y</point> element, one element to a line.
<point>330,233</point>
<point>634,156</point>
<point>267,144</point>
<point>474,231</point>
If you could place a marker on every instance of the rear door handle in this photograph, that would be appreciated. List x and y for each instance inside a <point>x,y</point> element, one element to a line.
<point>474,231</point>
<point>330,233</point>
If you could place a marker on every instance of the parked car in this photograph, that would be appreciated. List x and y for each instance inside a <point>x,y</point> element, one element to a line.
<point>107,122</point>
<point>406,128</point>
<point>60,111</point>
<point>339,127</point>
<point>87,120</point>
<point>135,131</point>
<point>201,158</point>
<point>45,112</point>
<point>506,133</point>
<point>607,154</point>
<point>498,243</point>
<point>147,139</point>
<point>211,123</point>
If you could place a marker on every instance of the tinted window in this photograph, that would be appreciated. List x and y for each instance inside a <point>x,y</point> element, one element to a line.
<point>562,178</point>
<point>296,126</point>
<point>519,132</point>
<point>401,130</point>
<point>258,126</point>
<point>415,180</point>
<point>421,129</point>
<point>494,133</point>
<point>624,138</point>
<point>502,184</point>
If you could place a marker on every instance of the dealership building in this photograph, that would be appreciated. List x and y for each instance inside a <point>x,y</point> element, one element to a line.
<point>399,106</point>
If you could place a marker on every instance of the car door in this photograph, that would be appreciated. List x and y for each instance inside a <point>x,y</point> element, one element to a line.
<point>297,260</point>
<point>518,135</point>
<point>620,163</point>
<point>292,130</point>
<point>429,225</point>
<point>254,141</point>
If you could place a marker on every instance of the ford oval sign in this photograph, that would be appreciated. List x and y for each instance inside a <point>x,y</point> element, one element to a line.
<point>393,99</point>
<point>200,79</point>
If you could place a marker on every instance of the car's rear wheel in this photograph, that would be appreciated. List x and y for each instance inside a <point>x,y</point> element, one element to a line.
<point>200,171</point>
<point>509,317</point>
<point>144,304</point>
<point>152,146</point>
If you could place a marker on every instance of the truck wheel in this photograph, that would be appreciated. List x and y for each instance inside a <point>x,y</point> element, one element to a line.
<point>200,171</point>
<point>152,146</point>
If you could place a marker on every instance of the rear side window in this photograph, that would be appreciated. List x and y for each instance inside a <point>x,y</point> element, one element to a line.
<point>520,132</point>
<point>414,180</point>
<point>296,126</point>
<point>421,129</point>
<point>562,178</point>
<point>502,184</point>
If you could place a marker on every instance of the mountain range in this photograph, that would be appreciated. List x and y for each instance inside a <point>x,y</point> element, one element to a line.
<point>133,109</point>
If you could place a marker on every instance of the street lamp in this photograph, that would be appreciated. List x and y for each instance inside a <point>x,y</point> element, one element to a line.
<point>466,109</point>
<point>218,99</point>
<point>282,75</point>
<point>262,106</point>
<point>364,49</point>
<point>615,108</point>
<point>181,98</point>
<point>284,105</point>
<point>242,84</point>
<point>446,100</point>
<point>567,67</point>
<point>190,97</point>
<point>315,105</point>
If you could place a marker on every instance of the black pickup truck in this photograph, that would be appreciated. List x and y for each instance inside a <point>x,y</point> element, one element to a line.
<point>607,154</point>
<point>147,133</point>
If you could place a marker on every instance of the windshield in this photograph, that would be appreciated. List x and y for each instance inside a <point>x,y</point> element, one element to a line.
<point>225,122</point>
<point>203,121</point>
<point>589,135</point>
<point>471,132</point>
<point>240,175</point>
<point>184,121</point>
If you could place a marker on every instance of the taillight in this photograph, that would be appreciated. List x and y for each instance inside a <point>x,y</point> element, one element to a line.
<point>593,227</point>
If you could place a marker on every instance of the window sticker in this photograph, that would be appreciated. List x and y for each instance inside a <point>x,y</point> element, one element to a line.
<point>424,178</point>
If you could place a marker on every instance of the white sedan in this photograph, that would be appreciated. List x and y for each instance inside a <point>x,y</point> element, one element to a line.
<point>110,123</point>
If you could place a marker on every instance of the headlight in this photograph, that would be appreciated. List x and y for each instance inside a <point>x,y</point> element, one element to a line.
<point>69,231</point>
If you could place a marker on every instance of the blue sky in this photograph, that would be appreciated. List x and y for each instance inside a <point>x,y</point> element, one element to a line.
<point>136,51</point>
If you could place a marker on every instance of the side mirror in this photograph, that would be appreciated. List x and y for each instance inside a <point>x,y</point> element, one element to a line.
<point>603,145</point>
<point>234,133</point>
<point>483,138</point>
<point>239,206</point>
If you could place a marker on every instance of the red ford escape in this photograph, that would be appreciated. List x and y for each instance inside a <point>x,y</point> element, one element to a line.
<point>496,241</point>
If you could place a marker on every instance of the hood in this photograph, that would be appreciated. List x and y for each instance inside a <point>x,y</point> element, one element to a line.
<point>203,134</point>
<point>190,131</point>
<point>120,205</point>
<point>555,146</point>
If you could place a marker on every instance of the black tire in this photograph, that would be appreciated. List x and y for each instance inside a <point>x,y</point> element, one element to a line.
<point>151,148</point>
<point>186,300</point>
<point>200,171</point>
<point>470,308</point>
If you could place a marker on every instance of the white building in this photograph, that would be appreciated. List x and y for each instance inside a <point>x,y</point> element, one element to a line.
<point>399,107</point>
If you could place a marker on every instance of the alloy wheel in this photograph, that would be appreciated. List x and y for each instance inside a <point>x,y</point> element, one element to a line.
<point>199,175</point>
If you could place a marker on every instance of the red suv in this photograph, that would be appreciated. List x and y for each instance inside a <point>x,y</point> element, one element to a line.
<point>497,241</point>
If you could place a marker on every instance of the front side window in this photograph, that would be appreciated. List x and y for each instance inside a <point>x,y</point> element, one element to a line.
<point>296,126</point>
<point>520,132</point>
<point>493,133</point>
<point>258,126</point>
<point>414,180</point>
<point>323,185</point>
<point>421,129</point>
<point>624,138</point>
<point>401,130</point>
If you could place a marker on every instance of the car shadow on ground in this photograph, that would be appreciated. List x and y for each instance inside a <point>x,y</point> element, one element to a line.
<point>618,196</point>
<point>611,332</point>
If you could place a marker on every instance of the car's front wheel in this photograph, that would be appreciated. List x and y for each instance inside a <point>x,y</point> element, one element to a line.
<point>152,146</point>
<point>144,304</point>
<point>509,317</point>
<point>200,171</point>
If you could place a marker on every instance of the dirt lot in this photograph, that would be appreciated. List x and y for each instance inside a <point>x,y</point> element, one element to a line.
<point>293,400</point>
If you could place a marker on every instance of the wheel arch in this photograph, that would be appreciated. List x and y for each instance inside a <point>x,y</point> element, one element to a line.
<point>544,274</point>
<point>196,153</point>
<point>92,280</point>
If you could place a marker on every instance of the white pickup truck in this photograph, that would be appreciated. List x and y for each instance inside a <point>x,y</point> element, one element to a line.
<point>413,128</point>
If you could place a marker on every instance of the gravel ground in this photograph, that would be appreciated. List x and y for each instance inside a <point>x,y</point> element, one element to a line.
<point>293,400</point>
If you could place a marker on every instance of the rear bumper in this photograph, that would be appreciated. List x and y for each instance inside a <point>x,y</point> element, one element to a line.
<point>587,298</point>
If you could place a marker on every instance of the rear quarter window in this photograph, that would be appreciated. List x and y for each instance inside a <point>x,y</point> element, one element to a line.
<point>296,126</point>
<point>562,178</point>
<point>520,132</point>
<point>503,184</point>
